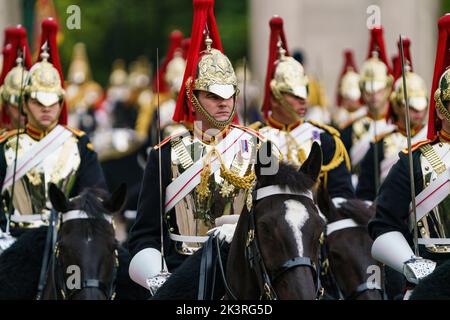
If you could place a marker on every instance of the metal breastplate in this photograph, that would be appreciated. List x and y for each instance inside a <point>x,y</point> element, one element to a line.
<point>194,217</point>
<point>31,191</point>
<point>436,224</point>
<point>295,151</point>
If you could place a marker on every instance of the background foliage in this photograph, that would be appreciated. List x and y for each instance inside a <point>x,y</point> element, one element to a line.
<point>114,29</point>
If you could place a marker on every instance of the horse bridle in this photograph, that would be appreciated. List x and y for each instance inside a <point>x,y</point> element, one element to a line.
<point>253,252</point>
<point>327,275</point>
<point>58,277</point>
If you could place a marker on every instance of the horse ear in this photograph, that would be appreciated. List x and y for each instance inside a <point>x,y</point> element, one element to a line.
<point>58,198</point>
<point>117,200</point>
<point>266,161</point>
<point>313,164</point>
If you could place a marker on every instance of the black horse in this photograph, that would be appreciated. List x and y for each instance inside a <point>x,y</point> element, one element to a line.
<point>87,262</point>
<point>274,252</point>
<point>348,270</point>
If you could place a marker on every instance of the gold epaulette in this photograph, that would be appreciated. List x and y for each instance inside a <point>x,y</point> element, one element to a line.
<point>162,143</point>
<point>340,153</point>
<point>329,129</point>
<point>417,145</point>
<point>5,135</point>
<point>251,131</point>
<point>77,132</point>
<point>256,125</point>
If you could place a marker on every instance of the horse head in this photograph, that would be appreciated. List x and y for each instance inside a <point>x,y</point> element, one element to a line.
<point>84,262</point>
<point>348,269</point>
<point>274,252</point>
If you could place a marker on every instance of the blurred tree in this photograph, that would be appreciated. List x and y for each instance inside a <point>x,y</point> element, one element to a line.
<point>114,29</point>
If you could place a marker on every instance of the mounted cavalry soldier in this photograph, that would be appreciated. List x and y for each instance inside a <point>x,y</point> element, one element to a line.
<point>398,222</point>
<point>206,173</point>
<point>284,108</point>
<point>17,60</point>
<point>348,99</point>
<point>45,151</point>
<point>375,84</point>
<point>391,143</point>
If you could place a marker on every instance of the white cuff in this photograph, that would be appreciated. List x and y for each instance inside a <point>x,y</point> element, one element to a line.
<point>145,264</point>
<point>392,249</point>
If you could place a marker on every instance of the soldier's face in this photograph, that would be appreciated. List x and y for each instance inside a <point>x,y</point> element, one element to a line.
<point>219,108</point>
<point>283,115</point>
<point>40,116</point>
<point>375,99</point>
<point>350,105</point>
<point>298,104</point>
<point>13,113</point>
<point>417,117</point>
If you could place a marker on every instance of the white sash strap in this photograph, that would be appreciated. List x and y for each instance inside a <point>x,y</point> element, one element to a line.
<point>276,189</point>
<point>359,149</point>
<point>191,239</point>
<point>36,154</point>
<point>79,214</point>
<point>341,224</point>
<point>190,178</point>
<point>431,196</point>
<point>304,132</point>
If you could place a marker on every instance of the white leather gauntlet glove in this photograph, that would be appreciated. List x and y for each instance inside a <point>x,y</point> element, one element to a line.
<point>224,232</point>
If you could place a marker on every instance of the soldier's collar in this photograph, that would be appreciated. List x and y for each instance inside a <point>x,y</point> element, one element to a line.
<point>414,131</point>
<point>210,139</point>
<point>444,136</point>
<point>36,133</point>
<point>378,117</point>
<point>283,127</point>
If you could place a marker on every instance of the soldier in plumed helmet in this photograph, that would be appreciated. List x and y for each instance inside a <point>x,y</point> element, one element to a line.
<point>195,205</point>
<point>393,226</point>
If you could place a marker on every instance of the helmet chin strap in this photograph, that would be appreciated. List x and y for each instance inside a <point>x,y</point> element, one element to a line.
<point>211,120</point>
<point>286,105</point>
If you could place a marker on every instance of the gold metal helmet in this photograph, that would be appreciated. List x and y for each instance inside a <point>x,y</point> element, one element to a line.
<point>289,77</point>
<point>79,70</point>
<point>43,82</point>
<point>13,85</point>
<point>215,73</point>
<point>175,72</point>
<point>374,75</point>
<point>442,94</point>
<point>349,85</point>
<point>119,74</point>
<point>416,90</point>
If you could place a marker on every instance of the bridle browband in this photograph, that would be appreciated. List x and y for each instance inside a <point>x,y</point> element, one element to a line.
<point>253,252</point>
<point>91,283</point>
<point>328,275</point>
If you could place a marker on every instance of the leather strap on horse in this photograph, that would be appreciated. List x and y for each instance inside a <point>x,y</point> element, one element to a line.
<point>255,259</point>
<point>207,274</point>
<point>48,250</point>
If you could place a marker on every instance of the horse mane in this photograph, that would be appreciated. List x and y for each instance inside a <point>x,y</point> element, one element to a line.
<point>287,175</point>
<point>357,210</point>
<point>90,201</point>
